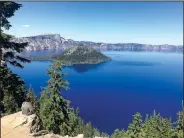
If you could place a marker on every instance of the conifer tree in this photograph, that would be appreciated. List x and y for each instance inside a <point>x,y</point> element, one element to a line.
<point>13,88</point>
<point>180,124</point>
<point>180,121</point>
<point>53,106</point>
<point>96,132</point>
<point>75,122</point>
<point>157,127</point>
<point>116,134</point>
<point>135,128</point>
<point>88,130</point>
<point>9,54</point>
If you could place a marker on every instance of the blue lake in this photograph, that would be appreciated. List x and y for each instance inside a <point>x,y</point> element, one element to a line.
<point>108,94</point>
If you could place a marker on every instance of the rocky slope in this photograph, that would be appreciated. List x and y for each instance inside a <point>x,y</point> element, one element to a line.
<point>55,41</point>
<point>17,126</point>
<point>76,55</point>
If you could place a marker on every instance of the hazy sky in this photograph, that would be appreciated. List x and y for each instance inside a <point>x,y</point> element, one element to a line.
<point>117,22</point>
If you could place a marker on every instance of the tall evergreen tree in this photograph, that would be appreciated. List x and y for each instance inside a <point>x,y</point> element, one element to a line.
<point>180,124</point>
<point>75,122</point>
<point>88,130</point>
<point>96,132</point>
<point>180,121</point>
<point>53,106</point>
<point>9,53</point>
<point>135,128</point>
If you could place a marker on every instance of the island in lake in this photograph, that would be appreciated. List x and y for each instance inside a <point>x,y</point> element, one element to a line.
<point>76,55</point>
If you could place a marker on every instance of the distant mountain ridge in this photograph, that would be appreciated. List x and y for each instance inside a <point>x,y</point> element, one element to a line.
<point>55,41</point>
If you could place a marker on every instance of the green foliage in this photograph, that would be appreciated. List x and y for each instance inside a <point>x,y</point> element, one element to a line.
<point>53,107</point>
<point>11,87</point>
<point>180,120</point>
<point>37,124</point>
<point>157,127</point>
<point>8,9</point>
<point>12,91</point>
<point>180,124</point>
<point>96,132</point>
<point>135,128</point>
<point>9,49</point>
<point>75,122</point>
<point>154,126</point>
<point>105,135</point>
<point>55,111</point>
<point>88,130</point>
<point>119,134</point>
<point>9,52</point>
<point>31,97</point>
<point>82,54</point>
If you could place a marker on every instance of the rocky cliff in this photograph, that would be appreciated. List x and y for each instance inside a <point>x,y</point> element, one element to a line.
<point>55,41</point>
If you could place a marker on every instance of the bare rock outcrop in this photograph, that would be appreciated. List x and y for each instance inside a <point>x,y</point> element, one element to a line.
<point>17,125</point>
<point>27,108</point>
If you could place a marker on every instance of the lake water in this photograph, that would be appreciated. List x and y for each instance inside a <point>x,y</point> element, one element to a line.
<point>108,94</point>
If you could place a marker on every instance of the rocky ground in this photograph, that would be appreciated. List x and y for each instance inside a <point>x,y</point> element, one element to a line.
<point>17,126</point>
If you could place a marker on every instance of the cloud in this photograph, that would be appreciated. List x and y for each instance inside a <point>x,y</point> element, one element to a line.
<point>26,25</point>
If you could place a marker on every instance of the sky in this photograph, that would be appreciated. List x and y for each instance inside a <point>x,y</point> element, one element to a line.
<point>108,22</point>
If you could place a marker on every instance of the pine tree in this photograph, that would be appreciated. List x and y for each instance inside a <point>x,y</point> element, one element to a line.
<point>180,121</point>
<point>135,128</point>
<point>88,130</point>
<point>180,124</point>
<point>53,106</point>
<point>75,122</point>
<point>96,132</point>
<point>116,134</point>
<point>9,54</point>
<point>13,88</point>
<point>157,127</point>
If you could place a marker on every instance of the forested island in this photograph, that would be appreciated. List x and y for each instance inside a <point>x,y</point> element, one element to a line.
<point>76,55</point>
